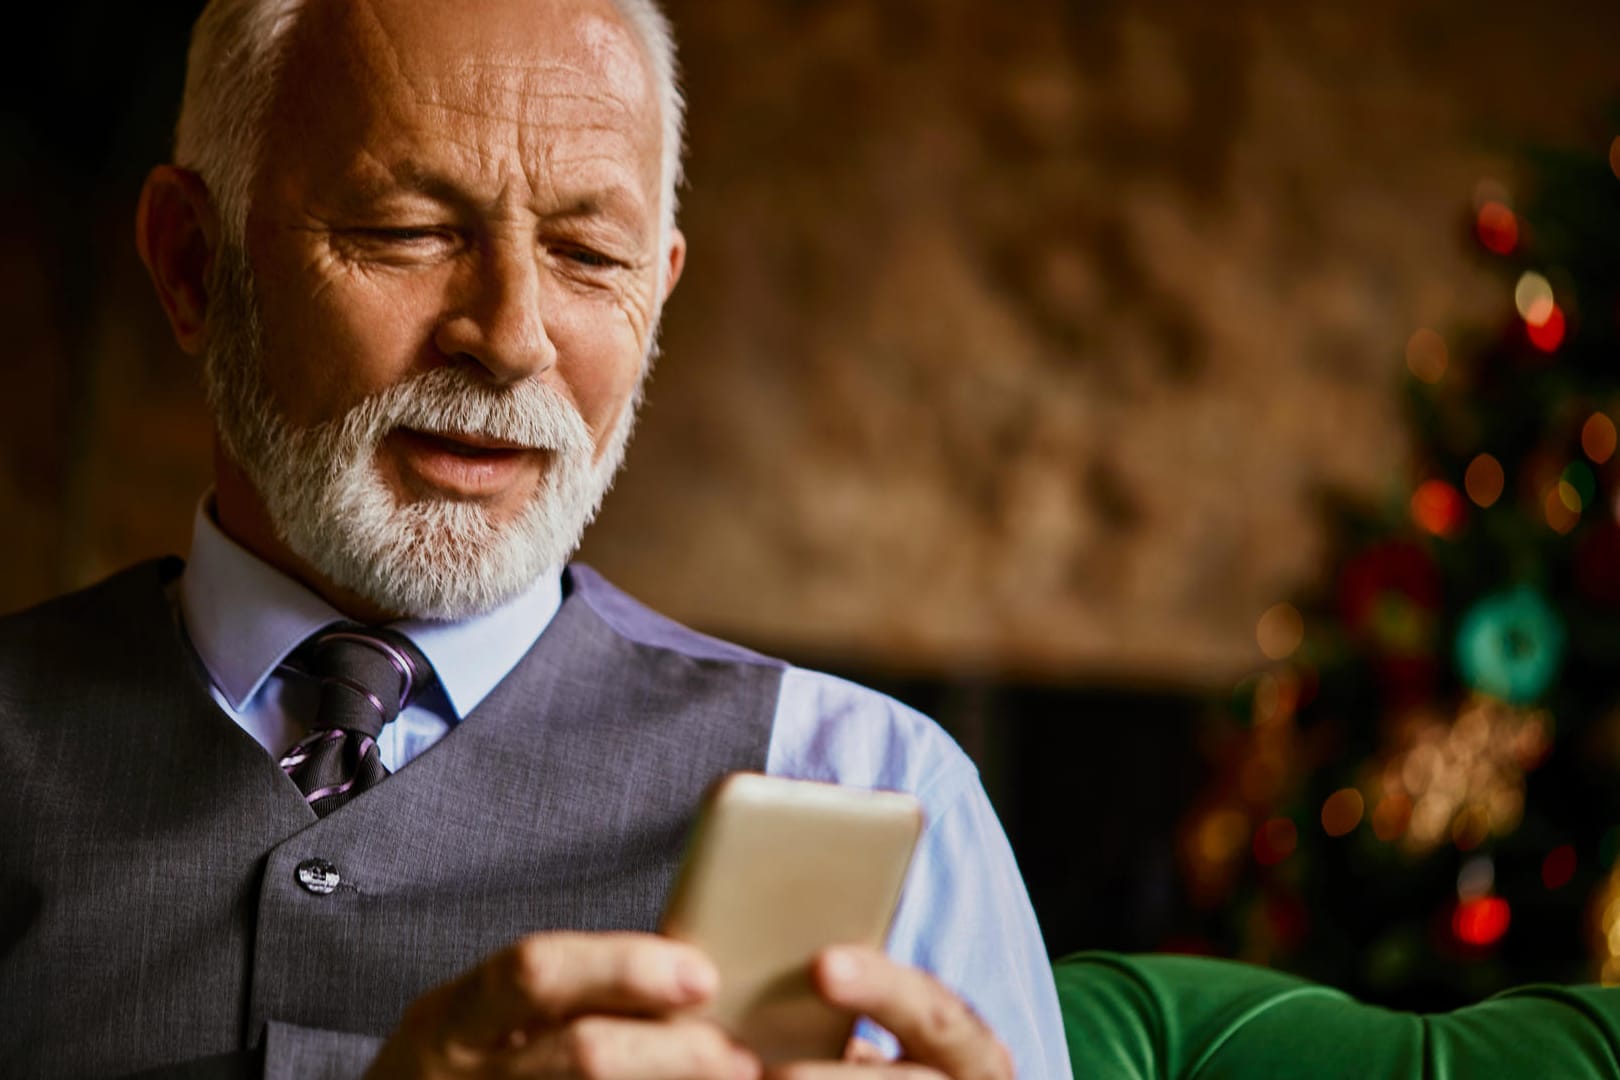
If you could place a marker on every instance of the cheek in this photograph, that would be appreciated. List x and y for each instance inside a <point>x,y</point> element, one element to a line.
<point>345,340</point>
<point>599,358</point>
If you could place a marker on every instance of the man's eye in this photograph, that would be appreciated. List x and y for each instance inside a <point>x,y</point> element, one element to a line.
<point>595,260</point>
<point>399,244</point>
<point>405,235</point>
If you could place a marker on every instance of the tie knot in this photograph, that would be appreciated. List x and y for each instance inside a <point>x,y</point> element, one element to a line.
<point>367,675</point>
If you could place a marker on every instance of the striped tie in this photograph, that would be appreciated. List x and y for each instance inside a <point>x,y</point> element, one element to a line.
<point>367,675</point>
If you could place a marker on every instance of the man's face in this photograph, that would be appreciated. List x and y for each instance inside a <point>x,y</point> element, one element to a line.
<point>463,199</point>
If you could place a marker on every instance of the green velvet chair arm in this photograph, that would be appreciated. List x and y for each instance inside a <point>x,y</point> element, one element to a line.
<point>1152,1017</point>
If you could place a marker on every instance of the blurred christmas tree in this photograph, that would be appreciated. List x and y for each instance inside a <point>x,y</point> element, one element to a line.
<point>1419,801</point>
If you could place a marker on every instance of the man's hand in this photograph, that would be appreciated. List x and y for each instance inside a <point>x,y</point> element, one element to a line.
<point>586,1006</point>
<point>940,1037</point>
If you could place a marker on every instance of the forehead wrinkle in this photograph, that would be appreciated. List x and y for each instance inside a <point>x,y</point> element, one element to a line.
<point>579,117</point>
<point>477,87</point>
<point>515,116</point>
<point>553,119</point>
<point>487,89</point>
<point>381,64</point>
<point>617,59</point>
<point>583,180</point>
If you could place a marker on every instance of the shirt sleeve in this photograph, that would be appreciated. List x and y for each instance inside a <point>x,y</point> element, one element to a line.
<point>964,915</point>
<point>1151,1016</point>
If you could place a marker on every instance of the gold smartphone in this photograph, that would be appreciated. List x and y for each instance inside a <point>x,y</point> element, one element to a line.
<point>775,871</point>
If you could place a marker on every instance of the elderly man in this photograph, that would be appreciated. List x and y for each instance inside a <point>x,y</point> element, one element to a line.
<point>422,249</point>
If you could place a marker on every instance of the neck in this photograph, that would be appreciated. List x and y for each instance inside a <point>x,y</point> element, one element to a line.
<point>240,513</point>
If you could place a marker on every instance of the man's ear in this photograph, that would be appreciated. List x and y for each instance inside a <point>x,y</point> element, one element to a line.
<point>677,261</point>
<point>177,233</point>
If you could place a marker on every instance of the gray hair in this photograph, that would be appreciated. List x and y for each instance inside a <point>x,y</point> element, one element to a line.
<point>237,48</point>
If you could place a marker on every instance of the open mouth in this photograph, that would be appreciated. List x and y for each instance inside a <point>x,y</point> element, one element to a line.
<point>461,465</point>
<point>463,444</point>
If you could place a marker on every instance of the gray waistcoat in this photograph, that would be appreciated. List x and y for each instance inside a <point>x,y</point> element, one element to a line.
<point>150,906</point>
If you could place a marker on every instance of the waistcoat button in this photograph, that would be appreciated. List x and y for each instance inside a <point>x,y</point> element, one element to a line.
<point>318,876</point>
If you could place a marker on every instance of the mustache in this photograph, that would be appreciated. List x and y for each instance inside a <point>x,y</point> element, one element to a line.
<point>454,401</point>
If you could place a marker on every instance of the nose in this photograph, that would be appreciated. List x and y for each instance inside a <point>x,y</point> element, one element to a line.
<point>497,320</point>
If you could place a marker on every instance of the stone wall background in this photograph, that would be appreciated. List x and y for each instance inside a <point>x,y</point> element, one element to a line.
<point>1017,340</point>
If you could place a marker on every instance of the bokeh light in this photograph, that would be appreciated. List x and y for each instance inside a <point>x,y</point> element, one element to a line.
<point>1391,816</point>
<point>1276,697</point>
<point>1548,335</point>
<point>1275,841</point>
<point>1561,517</point>
<point>1342,811</point>
<point>1481,921</point>
<point>1426,355</point>
<point>1438,508</point>
<point>1497,228</point>
<point>1533,296</point>
<point>1460,779</point>
<point>1221,835</point>
<point>1484,480</point>
<point>1280,631</point>
<point>1598,438</point>
<point>1606,903</point>
<point>1558,867</point>
<point>1582,481</point>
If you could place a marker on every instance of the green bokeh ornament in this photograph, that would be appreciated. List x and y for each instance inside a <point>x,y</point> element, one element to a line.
<point>1510,645</point>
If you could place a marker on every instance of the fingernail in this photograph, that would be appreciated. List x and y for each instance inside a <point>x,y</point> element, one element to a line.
<point>696,978</point>
<point>840,966</point>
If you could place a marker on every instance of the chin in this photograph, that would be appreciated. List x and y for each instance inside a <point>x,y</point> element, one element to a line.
<point>438,558</point>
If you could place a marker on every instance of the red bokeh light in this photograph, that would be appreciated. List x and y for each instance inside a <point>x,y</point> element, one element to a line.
<point>1275,841</point>
<point>1438,508</point>
<point>1497,228</point>
<point>1481,921</point>
<point>1547,336</point>
<point>1558,867</point>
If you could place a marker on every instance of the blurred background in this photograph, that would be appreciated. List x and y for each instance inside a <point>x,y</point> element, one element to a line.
<point>1204,411</point>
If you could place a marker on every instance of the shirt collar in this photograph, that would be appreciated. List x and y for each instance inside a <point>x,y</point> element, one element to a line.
<point>244,616</point>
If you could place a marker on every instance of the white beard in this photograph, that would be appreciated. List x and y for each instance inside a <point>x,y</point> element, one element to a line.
<point>428,559</point>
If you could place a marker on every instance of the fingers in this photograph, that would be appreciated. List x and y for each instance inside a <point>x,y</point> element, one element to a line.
<point>934,1026</point>
<point>601,1047</point>
<point>547,978</point>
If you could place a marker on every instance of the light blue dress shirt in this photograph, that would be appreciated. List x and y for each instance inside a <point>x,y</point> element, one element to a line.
<point>964,915</point>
